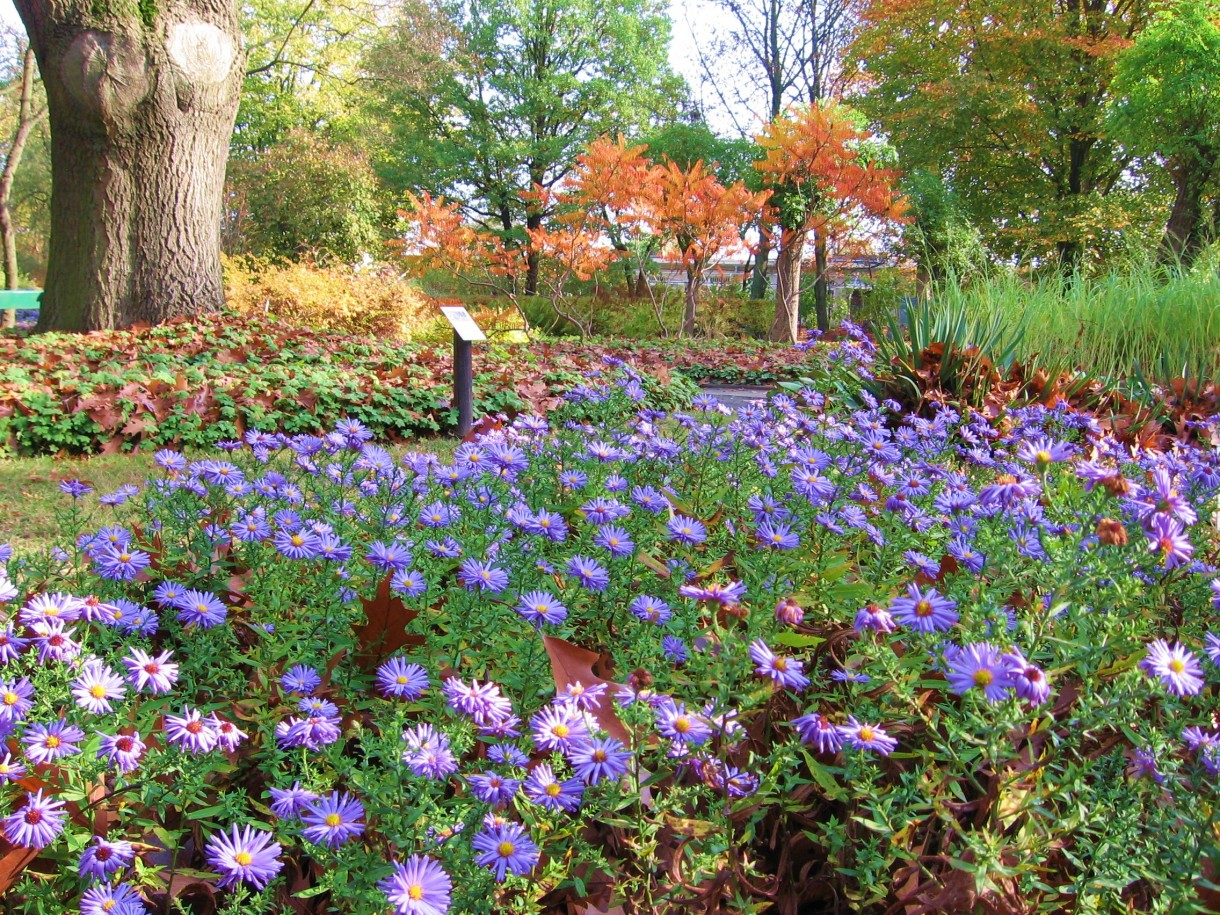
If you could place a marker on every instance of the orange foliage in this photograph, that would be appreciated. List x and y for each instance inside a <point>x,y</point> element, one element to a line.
<point>815,151</point>
<point>438,237</point>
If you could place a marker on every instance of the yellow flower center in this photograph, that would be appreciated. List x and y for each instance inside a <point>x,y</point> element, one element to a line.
<point>983,677</point>
<point>561,730</point>
<point>553,789</point>
<point>11,698</point>
<point>109,905</point>
<point>415,891</point>
<point>124,557</point>
<point>244,858</point>
<point>1177,665</point>
<point>333,820</point>
<point>506,849</point>
<point>599,755</point>
<point>52,742</point>
<point>865,734</point>
<point>780,664</point>
<point>1043,457</point>
<point>401,680</point>
<point>297,540</point>
<point>97,691</point>
<point>923,608</point>
<point>681,724</point>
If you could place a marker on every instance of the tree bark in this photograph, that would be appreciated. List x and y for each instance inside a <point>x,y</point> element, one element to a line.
<point>758,282</point>
<point>1184,232</point>
<point>26,119</point>
<point>821,284</point>
<point>786,326</point>
<point>141,101</point>
<point>694,281</point>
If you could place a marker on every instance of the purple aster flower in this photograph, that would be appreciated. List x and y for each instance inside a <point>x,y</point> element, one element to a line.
<point>867,737</point>
<point>333,820</point>
<point>312,732</point>
<point>96,687</point>
<point>120,899</point>
<point>228,735</point>
<point>156,675</point>
<point>288,803</point>
<point>388,557</point>
<point>784,671</point>
<point>480,576</point>
<point>507,755</point>
<point>121,563</point>
<point>51,608</point>
<point>45,743</point>
<point>428,754</point>
<point>75,488</point>
<point>614,540</point>
<point>505,848</point>
<point>817,730</point>
<point>650,609</point>
<point>924,612</point>
<point>408,583</point>
<point>53,641</point>
<point>300,679</point>
<point>1211,645</point>
<point>599,758</point>
<point>582,697</point>
<point>482,702</point>
<point>11,644</point>
<point>299,544</point>
<point>538,607</point>
<point>1008,490</point>
<point>979,666</point>
<point>190,731</point>
<point>200,608</point>
<point>168,593</point>
<point>558,727</point>
<point>723,594</point>
<point>37,824</point>
<point>687,531</point>
<point>777,535</point>
<point>874,617</point>
<point>123,751</point>
<point>649,499</point>
<point>675,649</point>
<point>1043,451</point>
<point>493,788</point>
<point>1144,765</point>
<point>401,680</point>
<point>677,724</point>
<point>11,770</point>
<point>545,790</point>
<point>103,858</point>
<point>16,700</point>
<point>1029,680</point>
<point>418,887</point>
<point>244,855</point>
<point>589,573</point>
<point>1167,538</point>
<point>1178,668</point>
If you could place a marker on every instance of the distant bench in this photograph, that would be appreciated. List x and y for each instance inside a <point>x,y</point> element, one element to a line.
<point>20,299</point>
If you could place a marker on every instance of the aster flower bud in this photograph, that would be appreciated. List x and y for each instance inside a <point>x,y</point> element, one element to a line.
<point>788,611</point>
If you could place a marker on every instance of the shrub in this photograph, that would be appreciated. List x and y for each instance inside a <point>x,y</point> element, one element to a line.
<point>335,299</point>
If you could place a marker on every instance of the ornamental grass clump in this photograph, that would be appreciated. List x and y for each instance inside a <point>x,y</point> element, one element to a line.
<point>798,657</point>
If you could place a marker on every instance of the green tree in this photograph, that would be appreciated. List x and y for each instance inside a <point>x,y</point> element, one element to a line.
<point>305,196</point>
<point>529,83</point>
<point>1167,104</point>
<point>939,238</point>
<point>1007,101</point>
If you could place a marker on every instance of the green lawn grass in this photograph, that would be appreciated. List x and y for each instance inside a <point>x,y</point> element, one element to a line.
<point>30,497</point>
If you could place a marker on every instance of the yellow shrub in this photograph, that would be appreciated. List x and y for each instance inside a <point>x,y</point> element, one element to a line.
<point>496,318</point>
<point>334,299</point>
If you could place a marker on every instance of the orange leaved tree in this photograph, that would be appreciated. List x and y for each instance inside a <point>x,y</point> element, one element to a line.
<point>817,162</point>
<point>437,237</point>
<point>699,218</point>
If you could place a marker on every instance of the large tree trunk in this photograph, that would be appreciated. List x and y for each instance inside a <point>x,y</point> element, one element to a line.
<point>27,117</point>
<point>141,103</point>
<point>1184,232</point>
<point>758,282</point>
<point>786,326</point>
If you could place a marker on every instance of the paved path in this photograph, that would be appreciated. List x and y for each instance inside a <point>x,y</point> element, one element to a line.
<point>736,395</point>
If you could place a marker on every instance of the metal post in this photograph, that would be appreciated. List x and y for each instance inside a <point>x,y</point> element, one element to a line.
<point>463,383</point>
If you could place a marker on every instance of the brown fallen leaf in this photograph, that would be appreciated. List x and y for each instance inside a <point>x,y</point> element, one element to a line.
<point>573,664</point>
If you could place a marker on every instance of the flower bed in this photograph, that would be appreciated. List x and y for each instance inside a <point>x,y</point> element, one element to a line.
<point>787,659</point>
<point>195,383</point>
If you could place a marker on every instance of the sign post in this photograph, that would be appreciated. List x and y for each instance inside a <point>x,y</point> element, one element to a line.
<point>465,332</point>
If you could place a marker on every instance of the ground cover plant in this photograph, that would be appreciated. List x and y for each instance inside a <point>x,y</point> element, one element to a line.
<point>816,655</point>
<point>192,383</point>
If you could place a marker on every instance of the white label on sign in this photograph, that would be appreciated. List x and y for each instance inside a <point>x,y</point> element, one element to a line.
<point>462,323</point>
